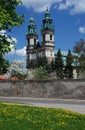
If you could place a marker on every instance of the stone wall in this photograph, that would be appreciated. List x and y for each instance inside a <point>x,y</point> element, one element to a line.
<point>71,89</point>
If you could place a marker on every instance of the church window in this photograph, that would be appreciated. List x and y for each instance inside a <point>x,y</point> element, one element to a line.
<point>43,38</point>
<point>50,37</point>
<point>34,43</point>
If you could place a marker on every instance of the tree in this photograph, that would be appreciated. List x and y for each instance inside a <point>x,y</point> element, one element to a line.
<point>52,64</point>
<point>79,48</point>
<point>17,69</point>
<point>59,66</point>
<point>40,73</point>
<point>8,14</point>
<point>41,61</point>
<point>8,19</point>
<point>30,64</point>
<point>3,65</point>
<point>69,67</point>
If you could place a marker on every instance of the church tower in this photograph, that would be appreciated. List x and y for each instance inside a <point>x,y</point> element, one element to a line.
<point>45,49</point>
<point>47,32</point>
<point>32,38</point>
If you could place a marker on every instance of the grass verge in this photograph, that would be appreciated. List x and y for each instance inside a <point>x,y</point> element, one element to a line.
<point>21,117</point>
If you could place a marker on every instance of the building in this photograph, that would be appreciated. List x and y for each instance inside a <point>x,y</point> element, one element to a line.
<point>45,48</point>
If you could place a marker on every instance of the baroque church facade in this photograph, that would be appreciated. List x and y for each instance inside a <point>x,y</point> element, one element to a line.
<point>35,49</point>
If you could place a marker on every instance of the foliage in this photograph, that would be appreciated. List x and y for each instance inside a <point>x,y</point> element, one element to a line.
<point>81,75</point>
<point>21,117</point>
<point>41,61</point>
<point>8,14</point>
<point>50,67</point>
<point>17,69</point>
<point>5,42</point>
<point>40,73</point>
<point>30,64</point>
<point>52,64</point>
<point>59,66</point>
<point>79,48</point>
<point>4,64</point>
<point>69,66</point>
<point>8,19</point>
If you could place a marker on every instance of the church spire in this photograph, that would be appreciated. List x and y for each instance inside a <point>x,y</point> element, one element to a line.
<point>47,21</point>
<point>32,27</point>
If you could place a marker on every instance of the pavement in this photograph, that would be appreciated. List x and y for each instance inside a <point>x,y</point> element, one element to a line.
<point>68,104</point>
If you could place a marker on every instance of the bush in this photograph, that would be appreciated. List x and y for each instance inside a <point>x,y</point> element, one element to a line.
<point>40,73</point>
<point>17,69</point>
<point>81,75</point>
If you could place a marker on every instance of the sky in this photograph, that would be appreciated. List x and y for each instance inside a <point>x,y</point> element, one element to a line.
<point>68,20</point>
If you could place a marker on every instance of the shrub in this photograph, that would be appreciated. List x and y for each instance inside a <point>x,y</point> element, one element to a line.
<point>17,69</point>
<point>81,75</point>
<point>40,73</point>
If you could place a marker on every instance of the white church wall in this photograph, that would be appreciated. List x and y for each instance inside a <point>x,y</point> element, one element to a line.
<point>40,54</point>
<point>31,41</point>
<point>32,56</point>
<point>53,38</point>
<point>49,44</point>
<point>49,54</point>
<point>47,37</point>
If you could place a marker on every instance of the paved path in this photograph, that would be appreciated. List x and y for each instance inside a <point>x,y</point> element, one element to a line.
<point>73,105</point>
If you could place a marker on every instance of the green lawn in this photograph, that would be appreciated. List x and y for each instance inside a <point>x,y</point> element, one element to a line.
<point>20,117</point>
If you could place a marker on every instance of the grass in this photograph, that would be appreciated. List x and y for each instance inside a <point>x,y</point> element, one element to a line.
<point>20,117</point>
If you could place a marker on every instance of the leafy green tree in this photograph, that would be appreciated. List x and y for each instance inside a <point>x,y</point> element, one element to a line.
<point>50,67</point>
<point>69,66</point>
<point>40,73</point>
<point>3,65</point>
<point>79,48</point>
<point>8,19</point>
<point>30,65</point>
<point>52,64</point>
<point>8,14</point>
<point>41,61</point>
<point>59,66</point>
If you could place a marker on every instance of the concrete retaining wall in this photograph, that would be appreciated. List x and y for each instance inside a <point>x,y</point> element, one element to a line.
<point>74,89</point>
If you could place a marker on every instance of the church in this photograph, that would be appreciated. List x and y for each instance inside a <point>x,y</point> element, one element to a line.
<point>45,48</point>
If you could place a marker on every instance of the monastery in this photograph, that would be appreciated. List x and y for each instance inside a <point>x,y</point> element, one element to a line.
<point>35,49</point>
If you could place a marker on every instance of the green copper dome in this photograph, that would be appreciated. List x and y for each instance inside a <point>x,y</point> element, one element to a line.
<point>32,27</point>
<point>32,21</point>
<point>47,14</point>
<point>47,21</point>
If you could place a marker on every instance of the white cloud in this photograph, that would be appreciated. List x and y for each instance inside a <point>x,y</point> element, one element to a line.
<point>82,29</point>
<point>21,52</point>
<point>74,6</point>
<point>39,5</point>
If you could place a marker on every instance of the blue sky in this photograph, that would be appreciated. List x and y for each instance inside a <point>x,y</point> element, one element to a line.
<point>68,19</point>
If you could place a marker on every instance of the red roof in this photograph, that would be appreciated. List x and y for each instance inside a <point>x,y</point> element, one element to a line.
<point>2,77</point>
